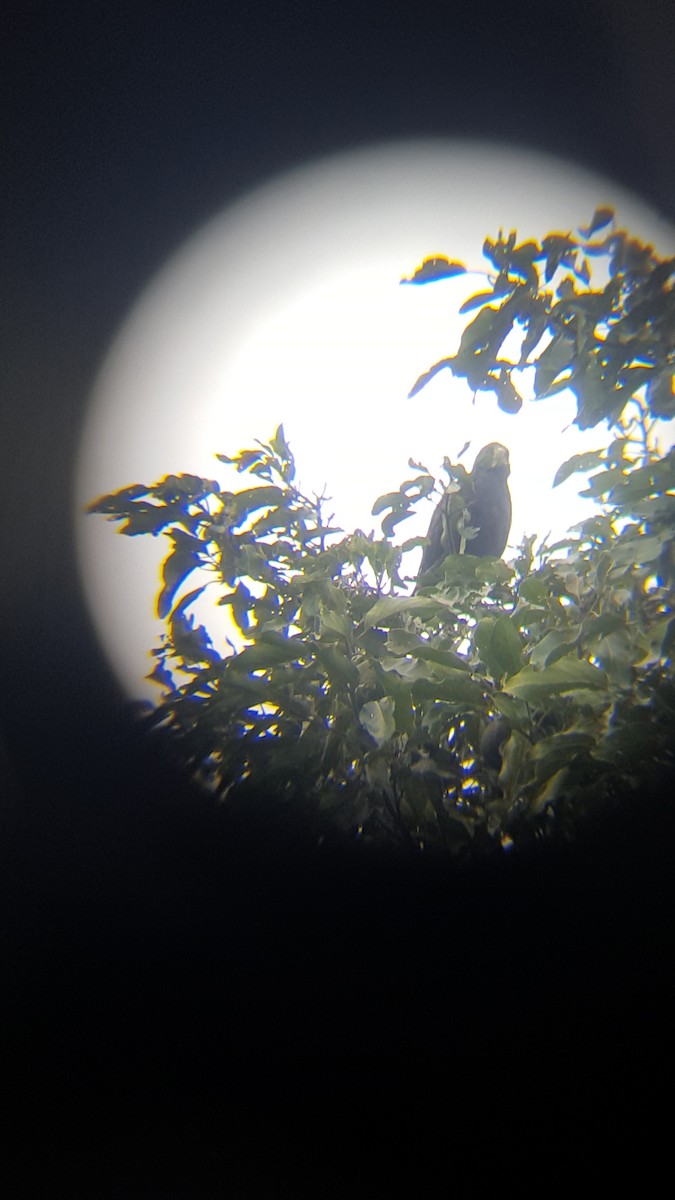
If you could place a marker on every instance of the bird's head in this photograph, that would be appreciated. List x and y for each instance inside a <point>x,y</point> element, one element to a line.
<point>491,457</point>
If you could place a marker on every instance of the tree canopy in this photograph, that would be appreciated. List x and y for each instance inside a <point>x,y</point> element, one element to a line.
<point>502,702</point>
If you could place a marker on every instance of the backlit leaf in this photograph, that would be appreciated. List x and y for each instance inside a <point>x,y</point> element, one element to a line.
<point>191,643</point>
<point>183,559</point>
<point>601,217</point>
<point>556,358</point>
<point>476,301</point>
<point>427,376</point>
<point>435,268</point>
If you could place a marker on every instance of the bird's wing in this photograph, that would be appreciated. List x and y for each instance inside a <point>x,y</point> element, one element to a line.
<point>490,512</point>
<point>442,536</point>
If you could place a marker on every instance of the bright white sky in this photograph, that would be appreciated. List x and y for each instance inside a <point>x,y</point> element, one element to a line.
<point>287,308</point>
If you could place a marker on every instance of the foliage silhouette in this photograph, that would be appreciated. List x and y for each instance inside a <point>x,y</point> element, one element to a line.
<point>502,702</point>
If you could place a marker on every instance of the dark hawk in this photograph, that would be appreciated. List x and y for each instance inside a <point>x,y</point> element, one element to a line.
<point>477,504</point>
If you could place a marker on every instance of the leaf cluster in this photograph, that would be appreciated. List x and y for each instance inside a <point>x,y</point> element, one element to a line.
<point>603,342</point>
<point>502,701</point>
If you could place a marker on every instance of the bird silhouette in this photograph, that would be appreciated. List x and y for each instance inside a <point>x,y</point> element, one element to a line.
<point>479,502</point>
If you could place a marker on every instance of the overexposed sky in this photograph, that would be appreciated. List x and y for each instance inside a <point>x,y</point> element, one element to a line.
<point>287,308</point>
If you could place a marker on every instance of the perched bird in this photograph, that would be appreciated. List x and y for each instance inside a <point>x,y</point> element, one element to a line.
<point>480,501</point>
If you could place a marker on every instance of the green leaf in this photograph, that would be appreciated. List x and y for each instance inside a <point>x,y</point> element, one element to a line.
<point>444,658</point>
<point>601,483</point>
<point>185,487</point>
<point>404,641</point>
<point>594,627</point>
<point>537,324</point>
<point>657,642</point>
<point>615,653</point>
<point>476,301</point>
<point>337,623</point>
<point>555,247</point>
<point>515,711</point>
<point>388,500</point>
<point>403,709</point>
<point>435,268</point>
<point>600,218</point>
<point>508,399</point>
<point>241,601</point>
<point>427,376</point>
<point>498,643</point>
<point>266,654</point>
<point>596,399</point>
<point>467,571</point>
<point>419,487</point>
<point>390,522</point>
<point>186,601</point>
<point>477,334</point>
<point>551,792</point>
<point>583,271</point>
<point>162,676</point>
<point>245,460</point>
<point>558,750</point>
<point>490,570</point>
<point>668,641</point>
<point>176,567</point>
<point>409,669</point>
<point>280,445</point>
<point>120,502</point>
<point>521,263</point>
<point>377,718</point>
<point>661,395</point>
<point>340,668</point>
<point>249,500</point>
<point>562,676</point>
<point>388,609</point>
<point>578,462</point>
<point>554,645</point>
<point>455,686</point>
<point>534,589</point>
<point>494,252</point>
<point>631,742</point>
<point>515,753</point>
<point>192,645</point>
<point>142,516</point>
<point>556,358</point>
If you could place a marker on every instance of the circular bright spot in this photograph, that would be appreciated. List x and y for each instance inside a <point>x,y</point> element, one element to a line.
<point>287,309</point>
